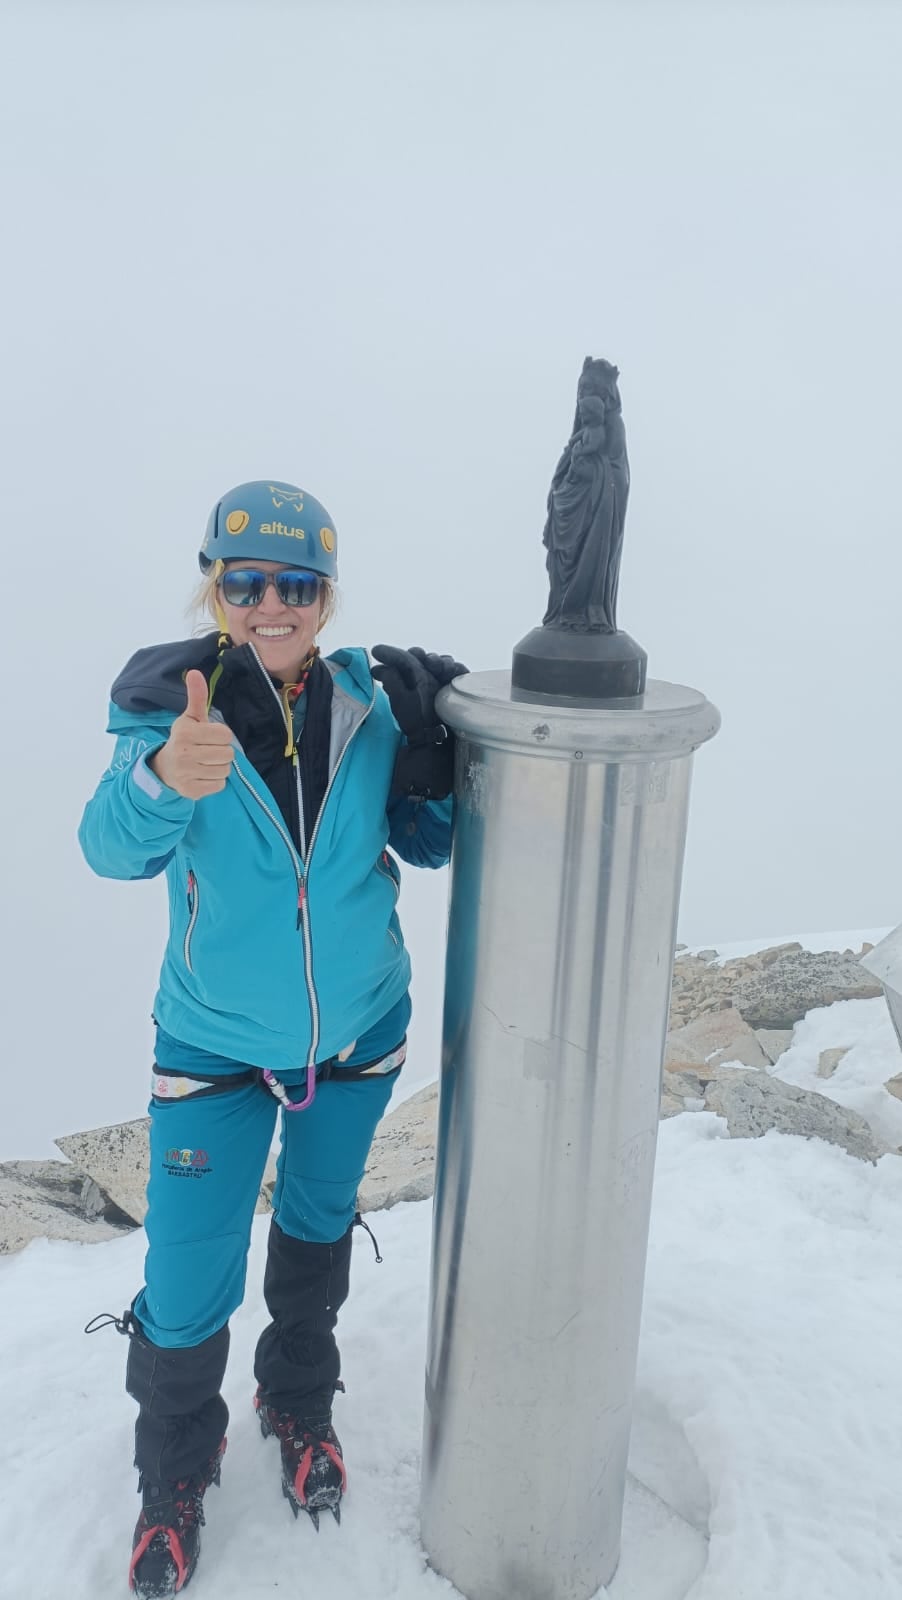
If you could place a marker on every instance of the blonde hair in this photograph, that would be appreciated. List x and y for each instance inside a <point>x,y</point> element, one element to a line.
<point>204,602</point>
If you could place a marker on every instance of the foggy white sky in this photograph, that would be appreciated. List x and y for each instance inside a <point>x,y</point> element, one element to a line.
<point>366,248</point>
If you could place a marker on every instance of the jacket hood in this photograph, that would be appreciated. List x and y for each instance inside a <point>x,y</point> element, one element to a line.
<point>153,680</point>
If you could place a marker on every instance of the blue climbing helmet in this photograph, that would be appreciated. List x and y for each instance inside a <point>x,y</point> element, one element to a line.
<point>269,521</point>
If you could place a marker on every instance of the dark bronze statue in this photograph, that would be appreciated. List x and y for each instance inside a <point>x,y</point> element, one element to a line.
<point>579,654</point>
<point>587,509</point>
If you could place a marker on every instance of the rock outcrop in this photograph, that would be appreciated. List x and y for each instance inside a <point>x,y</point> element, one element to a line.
<point>711,1039</point>
<point>401,1164</point>
<point>53,1200</point>
<point>753,1104</point>
<point>775,988</point>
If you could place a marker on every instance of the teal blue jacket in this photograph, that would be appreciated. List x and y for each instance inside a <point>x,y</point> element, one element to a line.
<point>272,958</point>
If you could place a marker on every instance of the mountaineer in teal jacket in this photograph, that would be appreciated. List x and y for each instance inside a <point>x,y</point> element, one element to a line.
<point>269,785</point>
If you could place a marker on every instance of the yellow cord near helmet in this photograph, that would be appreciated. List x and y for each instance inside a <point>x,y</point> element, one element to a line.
<point>224,641</point>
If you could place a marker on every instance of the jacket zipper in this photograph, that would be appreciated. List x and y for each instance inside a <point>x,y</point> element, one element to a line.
<point>302,895</point>
<point>193,908</point>
<point>302,869</point>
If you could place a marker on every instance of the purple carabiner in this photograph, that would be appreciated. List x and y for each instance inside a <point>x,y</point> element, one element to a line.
<point>276,1087</point>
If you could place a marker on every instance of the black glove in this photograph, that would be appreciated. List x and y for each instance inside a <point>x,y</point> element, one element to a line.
<point>424,768</point>
<point>412,679</point>
<point>444,668</point>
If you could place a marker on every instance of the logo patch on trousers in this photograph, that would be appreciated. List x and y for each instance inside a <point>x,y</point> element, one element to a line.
<point>186,1163</point>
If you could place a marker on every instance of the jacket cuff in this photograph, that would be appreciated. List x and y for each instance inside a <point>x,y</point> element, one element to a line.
<point>149,794</point>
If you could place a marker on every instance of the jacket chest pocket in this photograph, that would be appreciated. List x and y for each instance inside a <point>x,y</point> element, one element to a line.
<point>193,895</point>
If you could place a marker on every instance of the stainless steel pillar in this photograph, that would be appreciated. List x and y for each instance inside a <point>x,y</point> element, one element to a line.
<point>568,852</point>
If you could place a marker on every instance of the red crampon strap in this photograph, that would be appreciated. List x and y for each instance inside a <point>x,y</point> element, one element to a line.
<point>175,1550</point>
<point>306,1461</point>
<point>302,1474</point>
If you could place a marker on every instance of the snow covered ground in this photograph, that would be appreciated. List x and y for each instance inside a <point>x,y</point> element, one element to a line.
<point>768,1411</point>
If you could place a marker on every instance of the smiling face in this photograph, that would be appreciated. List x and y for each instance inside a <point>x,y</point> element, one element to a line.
<point>281,635</point>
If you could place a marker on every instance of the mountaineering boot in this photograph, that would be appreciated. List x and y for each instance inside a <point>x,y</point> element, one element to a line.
<point>167,1538</point>
<point>313,1471</point>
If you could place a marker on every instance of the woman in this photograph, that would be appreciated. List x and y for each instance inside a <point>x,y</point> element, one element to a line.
<point>266,782</point>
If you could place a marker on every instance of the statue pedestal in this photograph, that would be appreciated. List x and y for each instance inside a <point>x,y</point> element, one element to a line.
<point>583,667</point>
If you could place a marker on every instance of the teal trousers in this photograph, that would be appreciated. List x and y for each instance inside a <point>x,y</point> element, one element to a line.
<point>207,1158</point>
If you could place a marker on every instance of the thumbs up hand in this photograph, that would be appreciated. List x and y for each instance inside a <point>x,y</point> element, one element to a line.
<point>196,759</point>
<point>196,688</point>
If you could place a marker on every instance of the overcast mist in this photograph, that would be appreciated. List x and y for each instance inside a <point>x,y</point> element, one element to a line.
<point>366,248</point>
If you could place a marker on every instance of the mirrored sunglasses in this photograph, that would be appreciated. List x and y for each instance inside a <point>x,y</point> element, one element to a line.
<point>246,586</point>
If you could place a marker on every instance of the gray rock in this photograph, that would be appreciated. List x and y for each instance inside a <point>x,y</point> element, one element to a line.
<point>828,1060</point>
<point>774,1042</point>
<point>52,1200</point>
<point>690,1084</point>
<point>753,1103</point>
<point>92,1200</point>
<point>772,989</point>
<point>799,981</point>
<point>894,1085</point>
<point>776,952</point>
<point>682,1092</point>
<point>60,1184</point>
<point>401,1164</point>
<point>116,1158</point>
<point>671,1106</point>
<point>712,1038</point>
